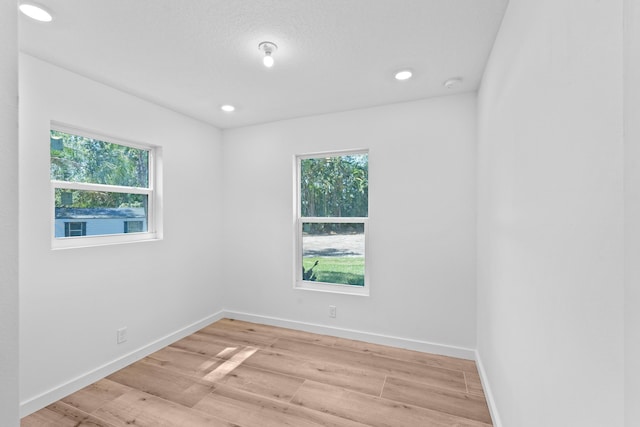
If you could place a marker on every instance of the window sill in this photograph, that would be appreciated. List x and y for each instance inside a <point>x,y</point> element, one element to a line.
<point>332,288</point>
<point>107,240</point>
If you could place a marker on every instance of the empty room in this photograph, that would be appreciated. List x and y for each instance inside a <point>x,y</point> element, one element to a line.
<point>320,213</point>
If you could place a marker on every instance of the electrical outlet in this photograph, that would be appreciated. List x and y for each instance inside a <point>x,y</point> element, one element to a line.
<point>332,311</point>
<point>122,335</point>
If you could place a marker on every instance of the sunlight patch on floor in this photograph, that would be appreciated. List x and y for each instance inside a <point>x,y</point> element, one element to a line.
<point>231,364</point>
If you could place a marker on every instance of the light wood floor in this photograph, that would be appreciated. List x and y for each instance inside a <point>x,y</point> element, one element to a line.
<point>234,373</point>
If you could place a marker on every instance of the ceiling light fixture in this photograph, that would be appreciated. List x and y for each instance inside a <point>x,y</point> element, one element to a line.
<point>403,75</point>
<point>453,83</point>
<point>228,108</point>
<point>36,12</point>
<point>268,48</point>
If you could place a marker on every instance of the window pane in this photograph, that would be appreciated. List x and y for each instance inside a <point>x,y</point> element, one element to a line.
<point>333,253</point>
<point>335,186</point>
<point>80,159</point>
<point>99,212</point>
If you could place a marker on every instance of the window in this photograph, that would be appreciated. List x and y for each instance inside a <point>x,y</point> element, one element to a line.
<point>102,189</point>
<point>332,206</point>
<point>75,229</point>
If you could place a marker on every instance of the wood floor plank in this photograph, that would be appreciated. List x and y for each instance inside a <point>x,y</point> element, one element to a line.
<point>276,331</point>
<point>44,418</point>
<point>203,344</point>
<point>435,360</point>
<point>47,418</point>
<point>144,410</point>
<point>373,411</point>
<point>264,383</point>
<point>183,361</point>
<point>439,377</point>
<point>162,383</point>
<point>355,378</point>
<point>474,384</point>
<point>459,404</point>
<point>96,395</point>
<point>256,411</point>
<point>242,337</point>
<point>60,414</point>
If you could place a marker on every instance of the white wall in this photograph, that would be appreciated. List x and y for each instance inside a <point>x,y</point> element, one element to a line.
<point>422,220</point>
<point>632,212</point>
<point>550,215</point>
<point>8,214</point>
<point>72,301</point>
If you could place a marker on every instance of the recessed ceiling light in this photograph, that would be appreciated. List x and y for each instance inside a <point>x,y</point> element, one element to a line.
<point>228,108</point>
<point>453,83</point>
<point>404,75</point>
<point>36,12</point>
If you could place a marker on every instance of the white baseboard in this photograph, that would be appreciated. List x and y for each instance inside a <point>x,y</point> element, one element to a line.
<point>493,408</point>
<point>410,344</point>
<point>38,402</point>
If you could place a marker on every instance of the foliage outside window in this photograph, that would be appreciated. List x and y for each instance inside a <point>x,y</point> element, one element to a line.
<point>105,186</point>
<point>333,209</point>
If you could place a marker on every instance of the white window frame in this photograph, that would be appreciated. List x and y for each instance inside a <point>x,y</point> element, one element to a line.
<point>153,193</point>
<point>299,283</point>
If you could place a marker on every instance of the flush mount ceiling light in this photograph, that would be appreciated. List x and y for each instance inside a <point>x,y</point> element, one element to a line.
<point>403,75</point>
<point>35,11</point>
<point>453,83</point>
<point>228,108</point>
<point>268,48</point>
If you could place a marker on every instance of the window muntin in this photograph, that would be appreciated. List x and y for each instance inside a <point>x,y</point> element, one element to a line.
<point>332,222</point>
<point>102,182</point>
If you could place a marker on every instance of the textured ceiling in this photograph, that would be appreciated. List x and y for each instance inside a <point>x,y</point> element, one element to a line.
<point>194,55</point>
